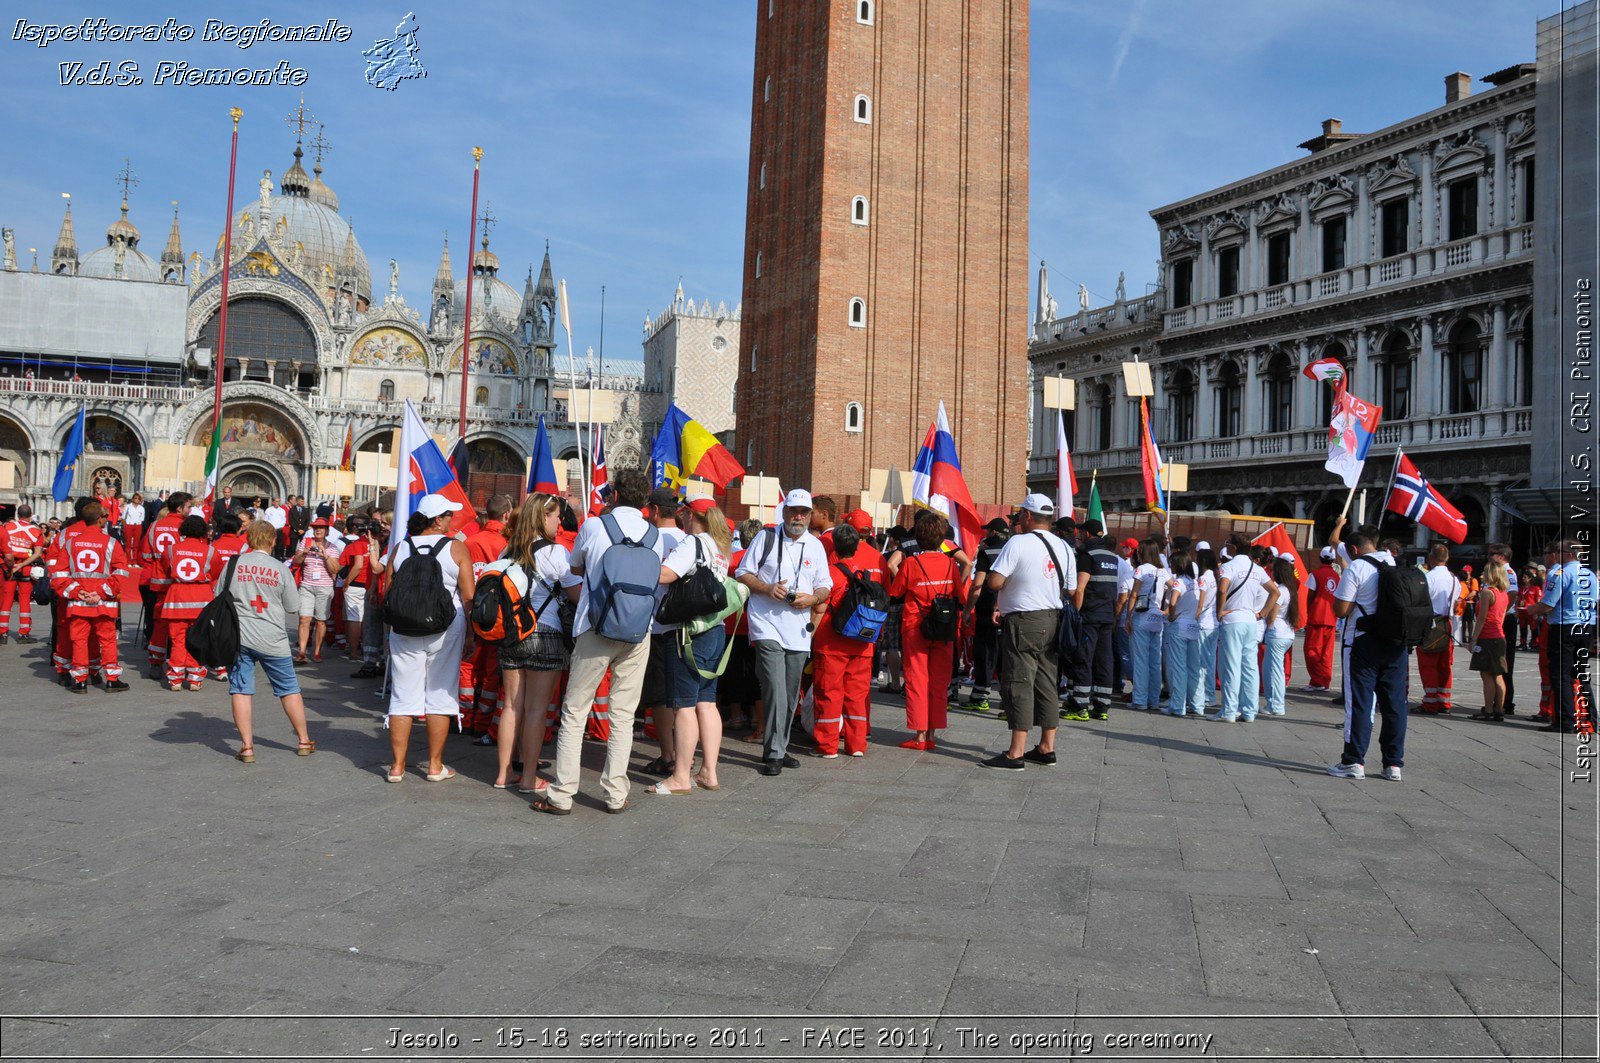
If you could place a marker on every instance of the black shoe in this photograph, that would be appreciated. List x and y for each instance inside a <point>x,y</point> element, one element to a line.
<point>23,640</point>
<point>1510,710</point>
<point>79,688</point>
<point>657,767</point>
<point>116,686</point>
<point>790,762</point>
<point>95,680</point>
<point>7,638</point>
<point>1047,759</point>
<point>1337,699</point>
<point>1558,729</point>
<point>1003,762</point>
<point>771,767</point>
<point>366,671</point>
<point>1097,714</point>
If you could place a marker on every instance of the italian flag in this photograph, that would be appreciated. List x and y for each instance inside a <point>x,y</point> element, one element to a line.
<point>1095,511</point>
<point>213,461</point>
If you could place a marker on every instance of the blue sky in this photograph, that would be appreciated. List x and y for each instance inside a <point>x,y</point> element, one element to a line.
<point>619,129</point>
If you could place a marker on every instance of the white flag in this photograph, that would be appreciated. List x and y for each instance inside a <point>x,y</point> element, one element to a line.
<point>1066,479</point>
<point>566,317</point>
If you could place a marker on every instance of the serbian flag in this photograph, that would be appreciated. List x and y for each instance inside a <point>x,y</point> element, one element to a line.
<point>1350,434</point>
<point>937,483</point>
<point>1276,539</point>
<point>542,467</point>
<point>599,485</point>
<point>1155,495</point>
<point>684,447</point>
<point>348,457</point>
<point>424,471</point>
<point>1411,495</point>
<point>1326,370</point>
<point>1066,479</point>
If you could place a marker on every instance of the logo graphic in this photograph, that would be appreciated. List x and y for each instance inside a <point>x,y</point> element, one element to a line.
<point>88,560</point>
<point>164,539</point>
<point>393,61</point>
<point>188,569</point>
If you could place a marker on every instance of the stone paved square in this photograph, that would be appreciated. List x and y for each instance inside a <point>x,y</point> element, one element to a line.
<point>1166,867</point>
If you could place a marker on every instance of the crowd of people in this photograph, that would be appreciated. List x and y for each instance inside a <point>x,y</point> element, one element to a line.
<point>662,617</point>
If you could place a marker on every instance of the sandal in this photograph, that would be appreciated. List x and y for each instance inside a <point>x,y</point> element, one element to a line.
<point>247,755</point>
<point>1483,716</point>
<point>539,786</point>
<point>299,658</point>
<point>305,749</point>
<point>543,805</point>
<point>316,658</point>
<point>657,767</point>
<point>699,780</point>
<point>661,789</point>
<point>445,772</point>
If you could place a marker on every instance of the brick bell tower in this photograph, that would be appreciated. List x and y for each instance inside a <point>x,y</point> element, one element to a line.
<point>886,235</point>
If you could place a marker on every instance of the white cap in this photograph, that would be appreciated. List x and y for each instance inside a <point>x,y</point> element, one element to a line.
<point>1327,553</point>
<point>799,498</point>
<point>1202,545</point>
<point>1039,504</point>
<point>436,506</point>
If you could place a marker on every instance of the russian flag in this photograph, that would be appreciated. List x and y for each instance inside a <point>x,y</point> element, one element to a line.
<point>424,471</point>
<point>937,483</point>
<point>542,468</point>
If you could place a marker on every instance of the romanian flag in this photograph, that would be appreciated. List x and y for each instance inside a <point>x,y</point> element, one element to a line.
<point>684,447</point>
<point>1155,495</point>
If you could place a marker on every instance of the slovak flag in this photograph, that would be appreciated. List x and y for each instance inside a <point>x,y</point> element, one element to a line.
<point>1411,495</point>
<point>1350,435</point>
<point>542,467</point>
<point>1328,370</point>
<point>937,483</point>
<point>424,471</point>
<point>599,485</point>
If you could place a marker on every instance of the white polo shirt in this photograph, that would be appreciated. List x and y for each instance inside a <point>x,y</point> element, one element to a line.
<point>1032,584</point>
<point>1359,584</point>
<point>1443,589</point>
<point>801,563</point>
<point>276,516</point>
<point>1247,590</point>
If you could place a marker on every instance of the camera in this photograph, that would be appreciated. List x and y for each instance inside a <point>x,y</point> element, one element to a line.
<point>791,596</point>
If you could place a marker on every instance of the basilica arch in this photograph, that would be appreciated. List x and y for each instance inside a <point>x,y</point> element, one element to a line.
<point>114,447</point>
<point>261,424</point>
<point>16,446</point>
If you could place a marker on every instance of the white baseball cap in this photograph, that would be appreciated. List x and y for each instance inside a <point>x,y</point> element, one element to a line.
<point>1327,553</point>
<point>436,506</point>
<point>799,498</point>
<point>1039,504</point>
<point>1202,545</point>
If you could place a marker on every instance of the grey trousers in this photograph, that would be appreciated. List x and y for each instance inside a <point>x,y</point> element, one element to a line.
<point>779,671</point>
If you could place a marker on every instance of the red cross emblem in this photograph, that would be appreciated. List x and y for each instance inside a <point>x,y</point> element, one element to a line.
<point>258,603</point>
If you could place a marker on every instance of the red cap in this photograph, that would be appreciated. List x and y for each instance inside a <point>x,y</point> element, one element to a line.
<point>319,523</point>
<point>1131,544</point>
<point>1467,569</point>
<point>701,505</point>
<point>859,519</point>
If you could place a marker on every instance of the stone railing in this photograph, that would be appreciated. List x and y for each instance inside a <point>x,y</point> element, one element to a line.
<point>86,389</point>
<point>1117,316</point>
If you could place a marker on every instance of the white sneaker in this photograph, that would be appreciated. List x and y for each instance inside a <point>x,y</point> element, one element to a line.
<point>1347,771</point>
<point>1391,773</point>
<point>1316,690</point>
<point>858,753</point>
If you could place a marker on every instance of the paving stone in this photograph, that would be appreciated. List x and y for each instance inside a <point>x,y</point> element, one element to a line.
<point>889,974</point>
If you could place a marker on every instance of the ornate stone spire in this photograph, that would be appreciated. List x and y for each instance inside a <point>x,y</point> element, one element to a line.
<point>122,230</point>
<point>444,291</point>
<point>172,254</point>
<point>64,259</point>
<point>547,281</point>
<point>320,192</point>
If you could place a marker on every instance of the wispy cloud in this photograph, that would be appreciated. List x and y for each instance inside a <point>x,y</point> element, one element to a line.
<point>1129,30</point>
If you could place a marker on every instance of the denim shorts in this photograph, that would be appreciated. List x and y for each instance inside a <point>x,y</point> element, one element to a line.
<point>280,673</point>
<point>686,688</point>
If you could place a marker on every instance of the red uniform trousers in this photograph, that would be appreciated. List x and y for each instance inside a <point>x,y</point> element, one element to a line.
<point>927,666</point>
<point>62,655</point>
<point>1319,654</point>
<point>842,683</point>
<point>1435,672</point>
<point>160,637</point>
<point>22,593</point>
<point>100,631</point>
<point>479,686</point>
<point>181,665</point>
<point>598,728</point>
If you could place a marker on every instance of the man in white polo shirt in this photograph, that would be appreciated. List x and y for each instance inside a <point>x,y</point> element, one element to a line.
<point>1034,573</point>
<point>786,570</point>
<point>1374,669</point>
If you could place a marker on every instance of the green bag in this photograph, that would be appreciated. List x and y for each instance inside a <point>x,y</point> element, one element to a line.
<point>738,595</point>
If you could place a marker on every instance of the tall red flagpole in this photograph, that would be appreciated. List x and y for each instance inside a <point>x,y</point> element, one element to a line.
<point>466,330</point>
<point>218,364</point>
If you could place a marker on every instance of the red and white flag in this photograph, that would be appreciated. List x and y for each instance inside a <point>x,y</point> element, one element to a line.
<point>599,487</point>
<point>1411,495</point>
<point>1326,369</point>
<point>1066,479</point>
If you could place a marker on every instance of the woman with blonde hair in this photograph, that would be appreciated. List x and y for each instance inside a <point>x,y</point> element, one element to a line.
<point>1489,639</point>
<point>692,674</point>
<point>530,668</point>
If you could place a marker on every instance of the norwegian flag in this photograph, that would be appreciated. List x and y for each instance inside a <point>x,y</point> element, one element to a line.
<point>599,487</point>
<point>1411,495</point>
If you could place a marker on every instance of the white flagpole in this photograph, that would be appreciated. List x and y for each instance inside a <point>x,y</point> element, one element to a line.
<point>572,394</point>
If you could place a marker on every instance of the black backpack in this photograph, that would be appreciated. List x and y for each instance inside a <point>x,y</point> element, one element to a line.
<point>942,621</point>
<point>1404,613</point>
<point>418,603</point>
<point>698,594</point>
<point>863,610</point>
<point>213,638</point>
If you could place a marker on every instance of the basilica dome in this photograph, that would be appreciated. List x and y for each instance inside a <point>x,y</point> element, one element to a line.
<point>490,294</point>
<point>121,258</point>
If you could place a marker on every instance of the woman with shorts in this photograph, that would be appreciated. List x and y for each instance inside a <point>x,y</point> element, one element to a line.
<point>691,694</point>
<point>318,561</point>
<point>264,596</point>
<point>424,669</point>
<point>531,668</point>
<point>1489,640</point>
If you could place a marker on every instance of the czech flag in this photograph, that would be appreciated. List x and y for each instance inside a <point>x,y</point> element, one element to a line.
<point>424,471</point>
<point>1350,435</point>
<point>542,467</point>
<point>938,484</point>
<point>684,447</point>
<point>1411,495</point>
<point>599,483</point>
<point>1155,495</point>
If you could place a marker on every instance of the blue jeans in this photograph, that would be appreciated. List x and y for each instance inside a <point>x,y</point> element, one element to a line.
<point>1183,673</point>
<point>1123,670</point>
<point>1146,665</point>
<point>1236,660</point>
<point>280,673</point>
<point>1205,680</point>
<point>1277,647</point>
<point>1375,674</point>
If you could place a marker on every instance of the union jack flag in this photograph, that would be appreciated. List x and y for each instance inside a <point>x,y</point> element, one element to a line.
<point>1411,495</point>
<point>599,488</point>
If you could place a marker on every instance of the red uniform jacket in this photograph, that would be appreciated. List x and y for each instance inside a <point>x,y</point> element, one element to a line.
<point>1319,610</point>
<point>19,539</point>
<point>89,560</point>
<point>487,545</point>
<point>190,567</point>
<point>158,537</point>
<point>228,546</point>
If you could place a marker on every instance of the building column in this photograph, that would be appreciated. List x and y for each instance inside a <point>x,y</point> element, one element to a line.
<point>1306,399</point>
<point>1252,394</point>
<point>1362,249</point>
<point>1501,214</point>
<point>1251,267</point>
<point>1203,292</point>
<point>1497,362</point>
<point>1360,374</point>
<point>1203,400</point>
<point>1304,259</point>
<point>1425,386</point>
<point>1425,192</point>
<point>1119,405</point>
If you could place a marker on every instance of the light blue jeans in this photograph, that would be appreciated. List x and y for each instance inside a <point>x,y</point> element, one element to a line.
<point>1206,680</point>
<point>1277,647</point>
<point>1146,654</point>
<point>1183,672</point>
<point>1241,679</point>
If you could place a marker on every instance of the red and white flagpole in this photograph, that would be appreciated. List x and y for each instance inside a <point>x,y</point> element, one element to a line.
<point>466,326</point>
<point>218,364</point>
